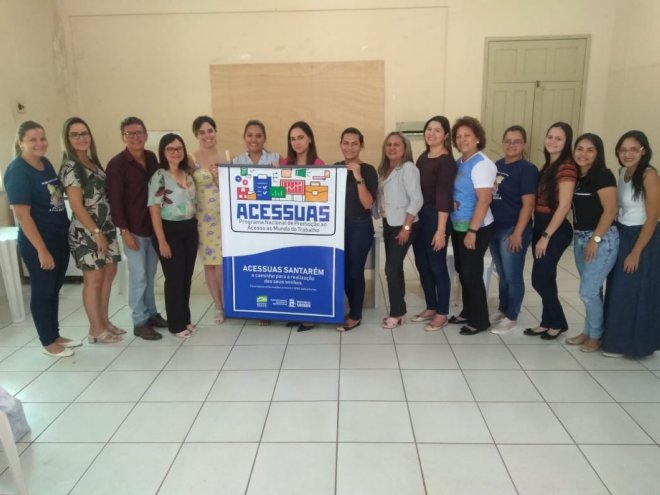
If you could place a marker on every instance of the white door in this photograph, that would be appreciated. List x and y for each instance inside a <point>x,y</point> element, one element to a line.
<point>533,83</point>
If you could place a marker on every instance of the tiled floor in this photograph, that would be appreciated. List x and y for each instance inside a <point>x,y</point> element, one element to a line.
<point>240,409</point>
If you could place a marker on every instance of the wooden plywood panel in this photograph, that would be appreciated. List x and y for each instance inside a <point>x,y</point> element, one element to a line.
<point>330,96</point>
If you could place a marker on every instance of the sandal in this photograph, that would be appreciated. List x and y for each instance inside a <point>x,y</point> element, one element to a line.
<point>264,323</point>
<point>115,330</point>
<point>184,334</point>
<point>105,337</point>
<point>457,320</point>
<point>192,328</point>
<point>392,322</point>
<point>219,316</point>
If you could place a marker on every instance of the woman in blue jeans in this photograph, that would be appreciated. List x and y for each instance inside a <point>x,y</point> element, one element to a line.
<point>361,189</point>
<point>37,198</point>
<point>552,233</point>
<point>512,206</point>
<point>596,241</point>
<point>437,171</point>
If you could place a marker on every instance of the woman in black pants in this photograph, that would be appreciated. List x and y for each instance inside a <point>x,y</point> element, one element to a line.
<point>361,189</point>
<point>472,222</point>
<point>552,232</point>
<point>171,204</point>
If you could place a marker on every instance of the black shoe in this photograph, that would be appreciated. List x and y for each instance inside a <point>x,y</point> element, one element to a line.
<point>468,330</point>
<point>303,327</point>
<point>457,320</point>
<point>547,336</point>
<point>157,321</point>
<point>532,333</point>
<point>146,332</point>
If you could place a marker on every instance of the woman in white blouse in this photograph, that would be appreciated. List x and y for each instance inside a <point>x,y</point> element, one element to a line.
<point>400,200</point>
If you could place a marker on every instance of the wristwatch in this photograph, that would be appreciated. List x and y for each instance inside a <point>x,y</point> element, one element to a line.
<point>96,231</point>
<point>545,235</point>
<point>473,231</point>
<point>596,238</point>
<point>361,181</point>
<point>406,227</point>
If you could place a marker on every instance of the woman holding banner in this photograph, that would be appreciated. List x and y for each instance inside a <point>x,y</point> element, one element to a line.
<point>361,189</point>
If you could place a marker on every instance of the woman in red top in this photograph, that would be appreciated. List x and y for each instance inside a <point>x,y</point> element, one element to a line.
<point>552,232</point>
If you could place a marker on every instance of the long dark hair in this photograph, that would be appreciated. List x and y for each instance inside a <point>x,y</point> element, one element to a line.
<point>168,138</point>
<point>444,123</point>
<point>644,160</point>
<point>599,163</point>
<point>549,170</point>
<point>291,155</point>
<point>68,153</point>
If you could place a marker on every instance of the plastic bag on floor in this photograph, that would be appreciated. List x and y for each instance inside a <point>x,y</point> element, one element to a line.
<point>13,408</point>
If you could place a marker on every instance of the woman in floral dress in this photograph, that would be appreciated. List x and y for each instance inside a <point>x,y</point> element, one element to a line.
<point>92,236</point>
<point>205,174</point>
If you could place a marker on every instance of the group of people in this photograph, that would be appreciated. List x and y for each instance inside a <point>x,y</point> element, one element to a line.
<point>509,206</point>
<point>167,207</point>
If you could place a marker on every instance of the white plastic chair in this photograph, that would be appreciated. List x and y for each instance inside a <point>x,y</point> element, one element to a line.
<point>9,446</point>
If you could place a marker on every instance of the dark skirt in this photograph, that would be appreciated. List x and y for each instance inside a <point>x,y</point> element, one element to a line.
<point>632,305</point>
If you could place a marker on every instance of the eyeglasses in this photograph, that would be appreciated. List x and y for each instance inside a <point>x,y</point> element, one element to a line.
<point>173,149</point>
<point>629,151</point>
<point>510,142</point>
<point>133,134</point>
<point>79,135</point>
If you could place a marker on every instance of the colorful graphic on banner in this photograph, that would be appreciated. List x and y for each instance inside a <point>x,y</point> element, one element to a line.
<point>283,242</point>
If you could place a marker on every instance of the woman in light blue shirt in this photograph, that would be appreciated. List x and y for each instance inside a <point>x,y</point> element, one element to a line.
<point>171,202</point>
<point>254,136</point>
<point>400,196</point>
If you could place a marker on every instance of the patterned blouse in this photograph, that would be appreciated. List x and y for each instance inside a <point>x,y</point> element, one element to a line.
<point>176,203</point>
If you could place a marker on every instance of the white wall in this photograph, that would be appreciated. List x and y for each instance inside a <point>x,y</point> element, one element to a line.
<point>633,96</point>
<point>105,60</point>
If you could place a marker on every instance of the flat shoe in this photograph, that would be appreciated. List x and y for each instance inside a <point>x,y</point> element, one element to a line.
<point>549,336</point>
<point>434,328</point>
<point>591,345</point>
<point>303,327</point>
<point>184,334</point>
<point>468,330</point>
<point>420,317</point>
<point>346,328</point>
<point>70,343</point>
<point>532,333</point>
<point>66,352</point>
<point>577,340</point>
<point>457,320</point>
<point>219,316</point>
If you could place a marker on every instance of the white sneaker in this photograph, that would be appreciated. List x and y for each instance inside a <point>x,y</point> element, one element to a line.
<point>612,354</point>
<point>504,326</point>
<point>496,317</point>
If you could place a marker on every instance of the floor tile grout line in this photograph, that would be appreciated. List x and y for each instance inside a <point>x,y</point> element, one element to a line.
<point>201,406</point>
<point>483,418</point>
<point>410,420</point>
<point>270,403</point>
